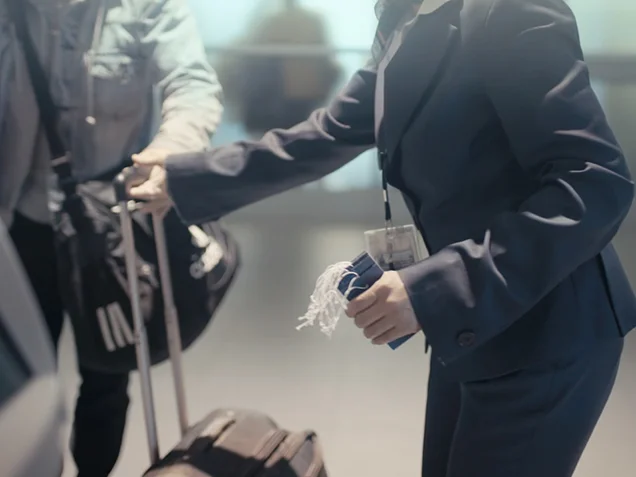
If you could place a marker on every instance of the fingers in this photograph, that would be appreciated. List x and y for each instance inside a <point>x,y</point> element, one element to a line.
<point>384,311</point>
<point>152,186</point>
<point>361,303</point>
<point>369,316</point>
<point>145,160</point>
<point>158,207</point>
<point>137,176</point>
<point>150,157</point>
<point>388,336</point>
<point>145,191</point>
<point>378,328</point>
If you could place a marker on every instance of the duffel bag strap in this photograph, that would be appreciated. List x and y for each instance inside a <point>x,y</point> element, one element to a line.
<point>49,114</point>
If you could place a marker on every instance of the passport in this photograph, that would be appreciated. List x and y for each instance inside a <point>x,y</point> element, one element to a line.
<point>366,272</point>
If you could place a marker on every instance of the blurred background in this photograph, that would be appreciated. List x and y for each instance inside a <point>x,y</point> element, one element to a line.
<point>367,403</point>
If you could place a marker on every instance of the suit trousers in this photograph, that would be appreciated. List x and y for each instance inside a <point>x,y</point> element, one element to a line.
<point>532,422</point>
<point>102,403</point>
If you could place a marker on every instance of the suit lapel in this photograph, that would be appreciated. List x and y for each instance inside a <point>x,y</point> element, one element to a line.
<point>415,68</point>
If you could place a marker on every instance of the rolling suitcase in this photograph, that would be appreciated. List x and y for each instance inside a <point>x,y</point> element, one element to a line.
<point>226,443</point>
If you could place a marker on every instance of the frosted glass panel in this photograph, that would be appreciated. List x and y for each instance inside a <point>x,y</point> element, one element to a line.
<point>222,22</point>
<point>362,173</point>
<point>606,26</point>
<point>351,22</point>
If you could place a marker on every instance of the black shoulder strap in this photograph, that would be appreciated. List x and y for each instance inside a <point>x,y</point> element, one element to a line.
<point>49,114</point>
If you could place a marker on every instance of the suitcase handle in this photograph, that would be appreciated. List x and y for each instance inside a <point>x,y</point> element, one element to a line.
<point>173,331</point>
<point>120,185</point>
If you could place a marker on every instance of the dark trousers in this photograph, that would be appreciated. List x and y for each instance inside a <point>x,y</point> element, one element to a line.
<point>533,422</point>
<point>102,403</point>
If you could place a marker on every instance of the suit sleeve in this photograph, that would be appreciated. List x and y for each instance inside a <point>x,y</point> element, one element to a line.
<point>210,185</point>
<point>538,83</point>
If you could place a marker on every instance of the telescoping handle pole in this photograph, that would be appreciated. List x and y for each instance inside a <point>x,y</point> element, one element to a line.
<point>172,320</point>
<point>141,337</point>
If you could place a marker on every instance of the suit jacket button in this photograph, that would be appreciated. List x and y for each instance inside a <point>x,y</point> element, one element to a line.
<point>466,339</point>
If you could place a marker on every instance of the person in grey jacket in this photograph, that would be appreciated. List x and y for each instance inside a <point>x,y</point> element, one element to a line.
<point>115,67</point>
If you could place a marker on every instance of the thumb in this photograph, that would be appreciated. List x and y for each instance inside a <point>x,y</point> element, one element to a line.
<point>150,157</point>
<point>144,191</point>
<point>380,286</point>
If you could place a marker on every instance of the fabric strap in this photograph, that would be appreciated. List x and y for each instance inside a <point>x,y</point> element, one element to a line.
<point>49,114</point>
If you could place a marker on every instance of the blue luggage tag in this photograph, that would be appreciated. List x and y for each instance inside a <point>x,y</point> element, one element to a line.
<point>366,272</point>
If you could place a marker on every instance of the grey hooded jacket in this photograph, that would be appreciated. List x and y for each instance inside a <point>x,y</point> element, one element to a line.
<point>115,66</point>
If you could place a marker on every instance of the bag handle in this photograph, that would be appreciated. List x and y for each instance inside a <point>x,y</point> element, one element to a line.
<point>49,114</point>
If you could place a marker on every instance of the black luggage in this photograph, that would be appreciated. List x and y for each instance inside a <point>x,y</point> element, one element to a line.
<point>230,443</point>
<point>226,443</point>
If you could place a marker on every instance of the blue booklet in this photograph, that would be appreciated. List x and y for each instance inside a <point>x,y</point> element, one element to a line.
<point>366,272</point>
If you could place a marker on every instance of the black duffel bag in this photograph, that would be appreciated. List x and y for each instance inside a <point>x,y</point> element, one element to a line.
<point>203,261</point>
<point>93,282</point>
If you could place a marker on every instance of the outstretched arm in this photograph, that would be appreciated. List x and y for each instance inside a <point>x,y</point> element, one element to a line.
<point>209,185</point>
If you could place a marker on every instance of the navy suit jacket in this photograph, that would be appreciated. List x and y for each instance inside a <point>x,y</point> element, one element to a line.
<point>506,161</point>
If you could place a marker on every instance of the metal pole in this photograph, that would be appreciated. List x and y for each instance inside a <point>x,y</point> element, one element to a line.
<point>141,338</point>
<point>172,321</point>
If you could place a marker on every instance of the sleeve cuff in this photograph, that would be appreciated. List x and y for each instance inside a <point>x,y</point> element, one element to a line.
<point>188,183</point>
<point>441,298</point>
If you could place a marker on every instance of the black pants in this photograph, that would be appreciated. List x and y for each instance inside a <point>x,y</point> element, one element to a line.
<point>533,422</point>
<point>102,403</point>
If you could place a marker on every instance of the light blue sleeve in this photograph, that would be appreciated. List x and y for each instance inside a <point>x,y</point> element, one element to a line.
<point>188,86</point>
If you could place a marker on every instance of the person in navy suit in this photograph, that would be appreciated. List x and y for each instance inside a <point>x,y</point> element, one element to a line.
<point>484,118</point>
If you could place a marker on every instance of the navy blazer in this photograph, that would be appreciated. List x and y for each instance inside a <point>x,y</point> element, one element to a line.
<point>507,164</point>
